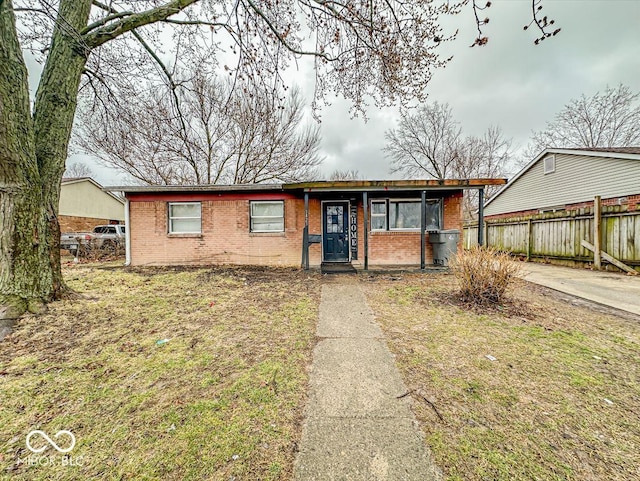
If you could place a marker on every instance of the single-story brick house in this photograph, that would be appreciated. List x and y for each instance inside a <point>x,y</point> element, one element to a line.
<point>308,223</point>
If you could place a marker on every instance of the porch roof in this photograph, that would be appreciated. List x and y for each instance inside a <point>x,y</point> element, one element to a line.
<point>394,185</point>
<point>320,186</point>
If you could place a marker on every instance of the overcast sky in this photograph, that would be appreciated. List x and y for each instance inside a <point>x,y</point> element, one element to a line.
<point>510,82</point>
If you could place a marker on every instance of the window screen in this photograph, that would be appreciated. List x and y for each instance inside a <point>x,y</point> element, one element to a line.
<point>185,218</point>
<point>267,216</point>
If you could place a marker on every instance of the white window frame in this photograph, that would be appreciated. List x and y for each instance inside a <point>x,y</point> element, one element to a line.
<point>172,218</point>
<point>401,201</point>
<point>251,216</point>
<point>387,222</point>
<point>383,215</point>
<point>549,164</point>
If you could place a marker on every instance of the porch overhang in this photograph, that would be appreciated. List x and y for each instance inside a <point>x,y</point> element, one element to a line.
<point>366,188</point>
<point>392,185</point>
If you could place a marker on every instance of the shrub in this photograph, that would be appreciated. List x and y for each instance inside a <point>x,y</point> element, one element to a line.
<point>484,274</point>
<point>96,250</point>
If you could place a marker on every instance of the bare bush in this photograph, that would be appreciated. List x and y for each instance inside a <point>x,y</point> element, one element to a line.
<point>99,250</point>
<point>484,274</point>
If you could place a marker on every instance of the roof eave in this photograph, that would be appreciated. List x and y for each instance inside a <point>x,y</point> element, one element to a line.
<point>548,151</point>
<point>392,185</point>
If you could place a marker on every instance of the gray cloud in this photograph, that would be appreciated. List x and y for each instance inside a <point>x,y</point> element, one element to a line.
<point>510,82</point>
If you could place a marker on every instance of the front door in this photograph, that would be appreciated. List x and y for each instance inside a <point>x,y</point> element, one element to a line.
<point>335,230</point>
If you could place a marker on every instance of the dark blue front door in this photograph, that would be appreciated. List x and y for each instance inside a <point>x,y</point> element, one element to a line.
<point>335,227</point>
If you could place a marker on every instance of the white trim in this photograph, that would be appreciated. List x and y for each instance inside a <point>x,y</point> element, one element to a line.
<point>169,218</point>
<point>277,201</point>
<point>402,229</point>
<point>552,160</point>
<point>384,201</point>
<point>322,221</point>
<point>127,234</point>
<point>388,200</point>
<point>612,155</point>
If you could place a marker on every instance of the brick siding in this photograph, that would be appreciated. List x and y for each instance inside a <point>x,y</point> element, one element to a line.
<point>225,236</point>
<point>69,223</point>
<point>632,201</point>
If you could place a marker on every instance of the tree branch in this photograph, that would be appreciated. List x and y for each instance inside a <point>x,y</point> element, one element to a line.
<point>103,34</point>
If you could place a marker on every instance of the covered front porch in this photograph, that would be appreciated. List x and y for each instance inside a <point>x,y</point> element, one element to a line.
<point>379,225</point>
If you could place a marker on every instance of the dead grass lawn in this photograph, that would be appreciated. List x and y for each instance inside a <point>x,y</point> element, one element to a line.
<point>562,400</point>
<point>222,399</point>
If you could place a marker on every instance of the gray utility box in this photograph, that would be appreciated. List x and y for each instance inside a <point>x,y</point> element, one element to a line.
<point>445,245</point>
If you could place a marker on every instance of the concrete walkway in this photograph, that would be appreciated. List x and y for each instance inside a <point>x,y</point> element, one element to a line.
<point>609,288</point>
<point>355,428</point>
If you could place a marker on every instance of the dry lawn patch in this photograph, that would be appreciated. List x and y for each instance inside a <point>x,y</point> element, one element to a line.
<point>560,402</point>
<point>222,399</point>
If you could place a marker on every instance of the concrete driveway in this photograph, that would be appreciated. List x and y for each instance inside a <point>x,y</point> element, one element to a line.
<point>609,288</point>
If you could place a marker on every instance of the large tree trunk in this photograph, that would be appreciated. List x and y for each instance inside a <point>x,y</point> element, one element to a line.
<point>23,246</point>
<point>32,159</point>
<point>55,108</point>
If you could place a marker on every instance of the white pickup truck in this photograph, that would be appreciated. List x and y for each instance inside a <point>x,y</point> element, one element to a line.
<point>102,237</point>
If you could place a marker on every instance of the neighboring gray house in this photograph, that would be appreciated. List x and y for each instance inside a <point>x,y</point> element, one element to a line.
<point>567,179</point>
<point>546,212</point>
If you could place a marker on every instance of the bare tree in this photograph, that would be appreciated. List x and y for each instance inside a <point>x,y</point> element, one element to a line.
<point>428,142</point>
<point>213,134</point>
<point>383,50</point>
<point>425,142</point>
<point>348,174</point>
<point>608,119</point>
<point>479,157</point>
<point>78,169</point>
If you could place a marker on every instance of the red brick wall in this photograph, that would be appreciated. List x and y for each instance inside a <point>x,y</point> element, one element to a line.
<point>69,223</point>
<point>397,247</point>
<point>225,237</point>
<point>633,201</point>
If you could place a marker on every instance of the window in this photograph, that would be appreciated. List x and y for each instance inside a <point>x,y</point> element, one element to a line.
<point>379,215</point>
<point>105,229</point>
<point>549,164</point>
<point>433,214</point>
<point>404,215</point>
<point>267,216</point>
<point>185,218</point>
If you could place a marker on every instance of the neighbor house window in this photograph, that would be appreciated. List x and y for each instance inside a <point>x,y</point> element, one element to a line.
<point>185,218</point>
<point>267,216</point>
<point>404,215</point>
<point>549,164</point>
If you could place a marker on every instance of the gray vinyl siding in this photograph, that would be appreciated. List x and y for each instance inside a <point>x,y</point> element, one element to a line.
<point>577,178</point>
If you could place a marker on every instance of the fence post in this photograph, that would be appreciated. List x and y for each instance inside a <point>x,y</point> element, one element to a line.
<point>529,239</point>
<point>481,232</point>
<point>597,230</point>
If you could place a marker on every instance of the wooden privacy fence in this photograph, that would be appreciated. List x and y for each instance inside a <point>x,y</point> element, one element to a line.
<point>558,236</point>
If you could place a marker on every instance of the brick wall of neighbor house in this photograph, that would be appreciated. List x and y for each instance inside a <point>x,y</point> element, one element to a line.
<point>69,223</point>
<point>225,237</point>
<point>633,201</point>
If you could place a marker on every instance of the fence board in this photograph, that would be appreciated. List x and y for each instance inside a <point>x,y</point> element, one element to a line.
<point>558,235</point>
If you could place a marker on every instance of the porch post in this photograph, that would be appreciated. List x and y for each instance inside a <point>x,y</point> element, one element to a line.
<point>365,207</point>
<point>481,238</point>
<point>423,228</point>
<point>305,234</point>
